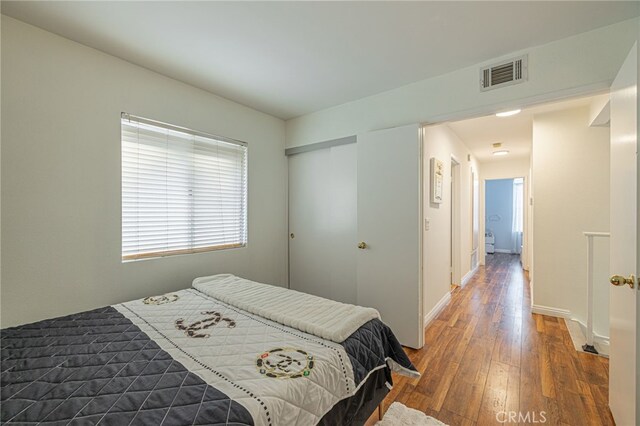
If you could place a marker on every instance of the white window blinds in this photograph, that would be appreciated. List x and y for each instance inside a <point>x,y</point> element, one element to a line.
<point>182,191</point>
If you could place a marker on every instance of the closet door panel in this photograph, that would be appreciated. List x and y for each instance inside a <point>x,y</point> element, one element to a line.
<point>344,217</point>
<point>310,222</point>
<point>322,218</point>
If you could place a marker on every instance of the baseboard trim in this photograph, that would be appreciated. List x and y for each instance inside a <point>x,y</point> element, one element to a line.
<point>566,314</point>
<point>603,340</point>
<point>437,309</point>
<point>552,312</point>
<point>503,251</point>
<point>469,275</point>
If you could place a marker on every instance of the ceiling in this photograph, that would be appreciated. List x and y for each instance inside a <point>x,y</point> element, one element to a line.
<point>515,132</point>
<point>291,58</point>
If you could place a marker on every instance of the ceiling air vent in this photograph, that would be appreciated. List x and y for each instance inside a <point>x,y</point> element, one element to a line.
<point>503,74</point>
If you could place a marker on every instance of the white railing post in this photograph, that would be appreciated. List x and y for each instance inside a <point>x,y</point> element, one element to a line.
<point>589,346</point>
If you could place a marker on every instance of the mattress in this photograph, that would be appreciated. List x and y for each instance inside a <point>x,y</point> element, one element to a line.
<point>189,358</point>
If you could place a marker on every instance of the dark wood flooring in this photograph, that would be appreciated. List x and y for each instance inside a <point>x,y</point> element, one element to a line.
<point>486,354</point>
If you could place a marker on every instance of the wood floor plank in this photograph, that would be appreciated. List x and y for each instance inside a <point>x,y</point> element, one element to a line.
<point>488,355</point>
<point>494,399</point>
<point>512,402</point>
<point>593,369</point>
<point>546,374</point>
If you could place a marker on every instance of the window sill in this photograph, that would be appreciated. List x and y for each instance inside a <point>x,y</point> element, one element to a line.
<point>159,254</point>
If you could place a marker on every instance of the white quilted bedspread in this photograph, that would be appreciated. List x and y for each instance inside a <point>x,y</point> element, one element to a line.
<point>274,371</point>
<point>315,315</point>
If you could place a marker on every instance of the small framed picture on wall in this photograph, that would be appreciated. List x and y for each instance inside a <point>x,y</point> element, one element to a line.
<point>437,180</point>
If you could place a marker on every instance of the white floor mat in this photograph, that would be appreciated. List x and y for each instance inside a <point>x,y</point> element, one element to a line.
<point>400,415</point>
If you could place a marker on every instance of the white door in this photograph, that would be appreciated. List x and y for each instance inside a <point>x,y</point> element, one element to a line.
<point>623,360</point>
<point>322,222</point>
<point>389,223</point>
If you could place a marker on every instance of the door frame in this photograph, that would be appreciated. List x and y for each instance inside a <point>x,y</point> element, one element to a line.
<point>455,233</point>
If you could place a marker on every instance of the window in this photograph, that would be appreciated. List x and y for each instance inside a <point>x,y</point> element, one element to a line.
<point>182,191</point>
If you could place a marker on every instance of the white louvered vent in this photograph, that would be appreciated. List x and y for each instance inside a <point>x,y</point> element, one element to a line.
<point>504,74</point>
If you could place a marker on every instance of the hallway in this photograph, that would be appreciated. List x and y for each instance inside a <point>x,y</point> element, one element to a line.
<point>487,355</point>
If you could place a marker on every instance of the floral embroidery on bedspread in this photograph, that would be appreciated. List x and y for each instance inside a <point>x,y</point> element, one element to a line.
<point>285,363</point>
<point>160,300</point>
<point>213,319</point>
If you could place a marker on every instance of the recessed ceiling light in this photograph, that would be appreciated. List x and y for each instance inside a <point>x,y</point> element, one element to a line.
<point>501,152</point>
<point>508,113</point>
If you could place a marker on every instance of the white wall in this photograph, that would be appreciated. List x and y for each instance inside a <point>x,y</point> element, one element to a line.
<point>442,143</point>
<point>499,212</point>
<point>61,207</point>
<point>505,169</point>
<point>575,65</point>
<point>570,195</point>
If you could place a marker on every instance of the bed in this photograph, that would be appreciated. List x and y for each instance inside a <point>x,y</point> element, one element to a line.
<point>225,351</point>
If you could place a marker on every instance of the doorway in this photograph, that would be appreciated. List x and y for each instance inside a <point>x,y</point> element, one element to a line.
<point>504,216</point>
<point>572,153</point>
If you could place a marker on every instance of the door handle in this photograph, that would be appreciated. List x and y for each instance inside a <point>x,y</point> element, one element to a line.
<point>362,245</point>
<point>619,280</point>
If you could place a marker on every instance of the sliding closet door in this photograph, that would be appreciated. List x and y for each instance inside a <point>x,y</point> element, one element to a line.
<point>344,217</point>
<point>389,267</point>
<point>309,190</point>
<point>322,222</point>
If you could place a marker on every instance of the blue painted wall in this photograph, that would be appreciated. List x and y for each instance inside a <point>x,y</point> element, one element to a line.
<point>499,202</point>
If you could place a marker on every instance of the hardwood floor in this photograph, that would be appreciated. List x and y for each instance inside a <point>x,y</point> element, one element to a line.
<point>487,355</point>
